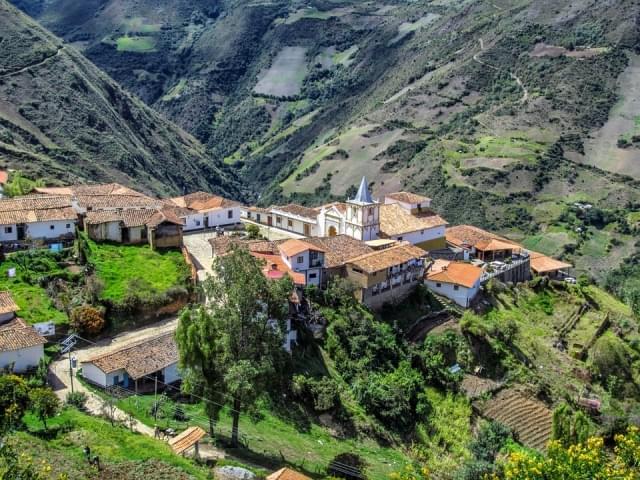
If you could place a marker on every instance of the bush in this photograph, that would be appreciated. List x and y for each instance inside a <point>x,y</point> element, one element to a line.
<point>87,319</point>
<point>253,232</point>
<point>76,399</point>
<point>322,392</point>
<point>490,440</point>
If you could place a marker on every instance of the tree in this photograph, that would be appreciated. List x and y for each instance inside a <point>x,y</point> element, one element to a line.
<point>232,346</point>
<point>87,319</point>
<point>14,401</point>
<point>44,403</point>
<point>253,232</point>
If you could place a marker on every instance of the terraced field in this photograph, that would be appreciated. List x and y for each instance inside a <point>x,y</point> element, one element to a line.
<point>530,419</point>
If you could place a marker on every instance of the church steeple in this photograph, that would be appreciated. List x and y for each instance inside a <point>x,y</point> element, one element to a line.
<point>363,195</point>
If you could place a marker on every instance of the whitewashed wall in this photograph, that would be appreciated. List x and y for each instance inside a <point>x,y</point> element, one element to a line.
<point>22,359</point>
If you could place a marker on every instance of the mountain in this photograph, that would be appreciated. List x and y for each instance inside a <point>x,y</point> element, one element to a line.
<point>62,118</point>
<point>507,112</point>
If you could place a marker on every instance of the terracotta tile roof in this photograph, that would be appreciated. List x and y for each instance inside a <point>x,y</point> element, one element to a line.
<point>469,235</point>
<point>203,201</point>
<point>457,273</point>
<point>4,177</point>
<point>389,257</point>
<point>495,244</point>
<point>293,247</point>
<point>101,202</point>
<point>164,215</point>
<point>140,359</point>
<point>181,212</point>
<point>275,268</point>
<point>36,208</point>
<point>133,217</point>
<point>438,265</point>
<point>287,474</point>
<point>7,305</point>
<point>408,197</point>
<point>299,210</point>
<point>541,263</point>
<point>187,439</point>
<point>395,220</point>
<point>339,249</point>
<point>16,334</point>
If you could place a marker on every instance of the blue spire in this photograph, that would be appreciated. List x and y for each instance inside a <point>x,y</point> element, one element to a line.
<point>363,195</point>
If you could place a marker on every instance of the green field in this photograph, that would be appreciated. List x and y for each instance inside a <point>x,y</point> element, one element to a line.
<point>271,437</point>
<point>136,44</point>
<point>122,454</point>
<point>285,76</point>
<point>122,267</point>
<point>35,305</point>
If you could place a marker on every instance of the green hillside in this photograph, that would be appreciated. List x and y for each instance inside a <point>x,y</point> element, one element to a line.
<point>62,118</point>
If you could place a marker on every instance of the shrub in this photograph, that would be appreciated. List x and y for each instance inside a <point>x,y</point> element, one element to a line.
<point>253,231</point>
<point>76,399</point>
<point>87,319</point>
<point>490,440</point>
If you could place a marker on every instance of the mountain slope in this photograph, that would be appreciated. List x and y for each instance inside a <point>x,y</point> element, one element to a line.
<point>62,118</point>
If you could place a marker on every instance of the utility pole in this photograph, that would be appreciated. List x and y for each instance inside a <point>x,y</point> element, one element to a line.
<point>67,345</point>
<point>155,396</point>
<point>71,370</point>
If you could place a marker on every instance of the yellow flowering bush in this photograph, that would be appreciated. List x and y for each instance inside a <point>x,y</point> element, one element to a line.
<point>584,461</point>
<point>410,472</point>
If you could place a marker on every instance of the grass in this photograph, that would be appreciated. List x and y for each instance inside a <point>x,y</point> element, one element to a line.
<point>407,27</point>
<point>272,438</point>
<point>139,25</point>
<point>286,74</point>
<point>120,266</point>
<point>118,449</point>
<point>500,147</point>
<point>447,433</point>
<point>175,91</point>
<point>549,243</point>
<point>136,44</point>
<point>35,304</point>
<point>345,57</point>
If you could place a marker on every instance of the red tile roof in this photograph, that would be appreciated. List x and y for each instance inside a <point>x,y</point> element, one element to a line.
<point>408,197</point>
<point>287,474</point>
<point>457,273</point>
<point>16,334</point>
<point>294,247</point>
<point>395,220</point>
<point>274,263</point>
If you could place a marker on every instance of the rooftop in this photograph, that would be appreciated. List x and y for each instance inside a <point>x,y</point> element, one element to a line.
<point>293,247</point>
<point>299,210</point>
<point>456,273</point>
<point>395,220</point>
<point>7,305</point>
<point>35,208</point>
<point>389,257</point>
<point>16,334</point>
<point>222,245</point>
<point>339,249</point>
<point>187,439</point>
<point>287,474</point>
<point>140,359</point>
<point>275,268</point>
<point>363,196</point>
<point>495,245</point>
<point>134,217</point>
<point>541,263</point>
<point>203,202</point>
<point>408,197</point>
<point>470,235</point>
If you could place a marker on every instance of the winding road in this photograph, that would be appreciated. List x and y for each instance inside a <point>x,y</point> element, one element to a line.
<point>32,65</point>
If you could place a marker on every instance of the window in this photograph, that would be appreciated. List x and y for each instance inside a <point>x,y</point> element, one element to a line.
<point>278,219</point>
<point>290,223</point>
<point>421,232</point>
<point>438,285</point>
<point>52,227</point>
<point>8,229</point>
<point>370,210</point>
<point>68,226</point>
<point>197,223</point>
<point>456,287</point>
<point>300,259</point>
<point>307,230</point>
<point>399,239</point>
<point>230,214</point>
<point>313,275</point>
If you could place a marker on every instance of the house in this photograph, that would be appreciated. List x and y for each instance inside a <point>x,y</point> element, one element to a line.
<point>305,258</point>
<point>426,230</point>
<point>21,346</point>
<point>484,245</point>
<point>135,366</point>
<point>411,202</point>
<point>338,250</point>
<point>205,210</point>
<point>287,474</point>
<point>458,281</point>
<point>37,217</point>
<point>543,265</point>
<point>161,228</point>
<point>388,275</point>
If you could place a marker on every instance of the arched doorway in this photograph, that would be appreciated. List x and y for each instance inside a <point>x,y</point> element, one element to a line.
<point>332,231</point>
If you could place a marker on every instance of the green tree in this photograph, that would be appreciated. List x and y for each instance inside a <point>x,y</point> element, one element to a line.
<point>44,403</point>
<point>14,401</point>
<point>232,346</point>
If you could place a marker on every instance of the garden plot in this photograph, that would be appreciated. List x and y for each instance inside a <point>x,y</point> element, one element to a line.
<point>143,44</point>
<point>530,419</point>
<point>285,76</point>
<point>602,150</point>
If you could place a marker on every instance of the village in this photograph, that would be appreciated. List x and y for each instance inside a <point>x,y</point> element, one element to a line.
<point>386,248</point>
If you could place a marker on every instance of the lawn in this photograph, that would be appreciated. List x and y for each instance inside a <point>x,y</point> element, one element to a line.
<point>35,305</point>
<point>123,454</point>
<point>406,28</point>
<point>123,267</point>
<point>269,438</point>
<point>136,44</point>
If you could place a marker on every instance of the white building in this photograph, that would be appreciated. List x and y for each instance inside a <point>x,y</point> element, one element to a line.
<point>135,366</point>
<point>37,217</point>
<point>303,257</point>
<point>21,347</point>
<point>458,281</point>
<point>202,210</point>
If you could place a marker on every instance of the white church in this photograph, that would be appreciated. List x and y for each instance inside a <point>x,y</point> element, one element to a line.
<point>401,216</point>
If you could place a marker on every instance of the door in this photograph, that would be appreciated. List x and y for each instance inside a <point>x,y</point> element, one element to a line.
<point>332,231</point>
<point>269,220</point>
<point>21,231</point>
<point>125,235</point>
